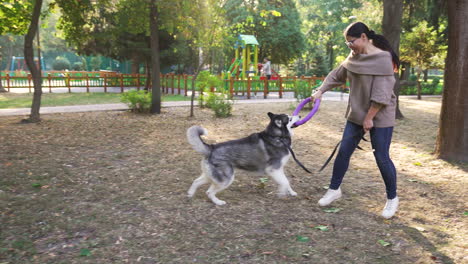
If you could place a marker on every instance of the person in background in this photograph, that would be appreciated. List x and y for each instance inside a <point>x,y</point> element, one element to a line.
<point>266,69</point>
<point>370,69</point>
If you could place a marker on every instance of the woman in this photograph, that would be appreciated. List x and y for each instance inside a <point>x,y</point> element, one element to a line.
<point>370,70</point>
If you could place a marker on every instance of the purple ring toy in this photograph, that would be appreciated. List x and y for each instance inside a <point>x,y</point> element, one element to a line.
<point>310,115</point>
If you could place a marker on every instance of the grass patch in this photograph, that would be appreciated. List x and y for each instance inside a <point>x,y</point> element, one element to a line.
<point>15,100</point>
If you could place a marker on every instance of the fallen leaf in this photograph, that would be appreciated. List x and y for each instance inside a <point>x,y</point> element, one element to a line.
<point>332,210</point>
<point>84,252</point>
<point>384,243</point>
<point>322,228</point>
<point>302,239</point>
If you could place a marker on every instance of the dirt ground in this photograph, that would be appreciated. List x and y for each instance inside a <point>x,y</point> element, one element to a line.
<point>110,187</point>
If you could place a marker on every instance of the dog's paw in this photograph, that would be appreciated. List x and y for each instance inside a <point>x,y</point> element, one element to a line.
<point>292,193</point>
<point>282,194</point>
<point>219,202</point>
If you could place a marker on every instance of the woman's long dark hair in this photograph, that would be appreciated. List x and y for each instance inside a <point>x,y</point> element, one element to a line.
<point>357,28</point>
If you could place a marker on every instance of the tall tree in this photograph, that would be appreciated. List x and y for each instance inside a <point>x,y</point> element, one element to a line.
<point>29,58</point>
<point>452,139</point>
<point>155,63</point>
<point>421,50</point>
<point>324,22</point>
<point>206,34</point>
<point>391,27</point>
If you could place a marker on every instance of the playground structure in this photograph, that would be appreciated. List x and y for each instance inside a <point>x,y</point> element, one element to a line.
<point>245,63</point>
<point>18,63</point>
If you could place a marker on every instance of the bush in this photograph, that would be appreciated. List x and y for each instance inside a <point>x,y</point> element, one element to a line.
<point>304,90</point>
<point>220,102</point>
<point>95,63</point>
<point>431,88</point>
<point>78,66</point>
<point>137,101</point>
<point>61,64</point>
<point>222,105</point>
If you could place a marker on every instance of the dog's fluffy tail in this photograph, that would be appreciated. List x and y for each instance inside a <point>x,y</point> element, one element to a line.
<point>193,136</point>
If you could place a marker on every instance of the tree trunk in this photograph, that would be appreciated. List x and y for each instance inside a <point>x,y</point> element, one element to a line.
<point>148,75</point>
<point>391,27</point>
<point>135,66</point>
<point>29,58</point>
<point>452,139</point>
<point>2,90</point>
<point>405,71</point>
<point>155,63</point>
<point>419,84</point>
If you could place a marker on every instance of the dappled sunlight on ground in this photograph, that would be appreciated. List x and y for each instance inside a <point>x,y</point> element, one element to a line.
<point>115,183</point>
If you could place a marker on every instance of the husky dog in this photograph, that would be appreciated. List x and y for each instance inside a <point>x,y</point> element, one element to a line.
<point>265,152</point>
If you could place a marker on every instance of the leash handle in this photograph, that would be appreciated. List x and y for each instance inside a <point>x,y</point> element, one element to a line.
<point>311,113</point>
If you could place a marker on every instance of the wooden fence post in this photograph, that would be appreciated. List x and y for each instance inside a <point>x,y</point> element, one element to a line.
<point>265,88</point>
<point>173,83</point>
<point>138,81</point>
<point>280,80</point>
<point>8,81</point>
<point>121,83</point>
<point>185,85</point>
<point>69,83</point>
<point>87,82</point>
<point>49,78</point>
<point>167,83</point>
<point>178,84</point>
<point>105,83</point>
<point>231,86</point>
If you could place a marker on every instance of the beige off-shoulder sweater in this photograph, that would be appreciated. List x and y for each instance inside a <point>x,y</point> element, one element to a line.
<point>371,79</point>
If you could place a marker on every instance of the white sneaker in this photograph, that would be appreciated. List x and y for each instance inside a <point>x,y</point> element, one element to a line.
<point>390,208</point>
<point>329,197</point>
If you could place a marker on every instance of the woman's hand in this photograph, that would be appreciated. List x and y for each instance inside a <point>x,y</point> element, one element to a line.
<point>368,124</point>
<point>316,95</point>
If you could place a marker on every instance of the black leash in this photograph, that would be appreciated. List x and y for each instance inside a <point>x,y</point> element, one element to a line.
<point>295,159</point>
<point>360,133</point>
<point>280,139</point>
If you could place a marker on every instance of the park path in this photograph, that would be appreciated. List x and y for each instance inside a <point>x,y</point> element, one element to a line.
<point>258,99</point>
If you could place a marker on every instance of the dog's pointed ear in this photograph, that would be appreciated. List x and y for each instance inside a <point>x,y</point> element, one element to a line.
<point>271,115</point>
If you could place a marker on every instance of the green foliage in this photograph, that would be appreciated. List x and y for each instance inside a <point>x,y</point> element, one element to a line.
<point>323,23</point>
<point>78,66</point>
<point>61,64</point>
<point>205,81</point>
<point>304,89</point>
<point>15,16</point>
<point>432,87</point>
<point>95,63</point>
<point>419,47</point>
<point>276,26</point>
<point>137,101</point>
<point>222,105</point>
<point>220,102</point>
